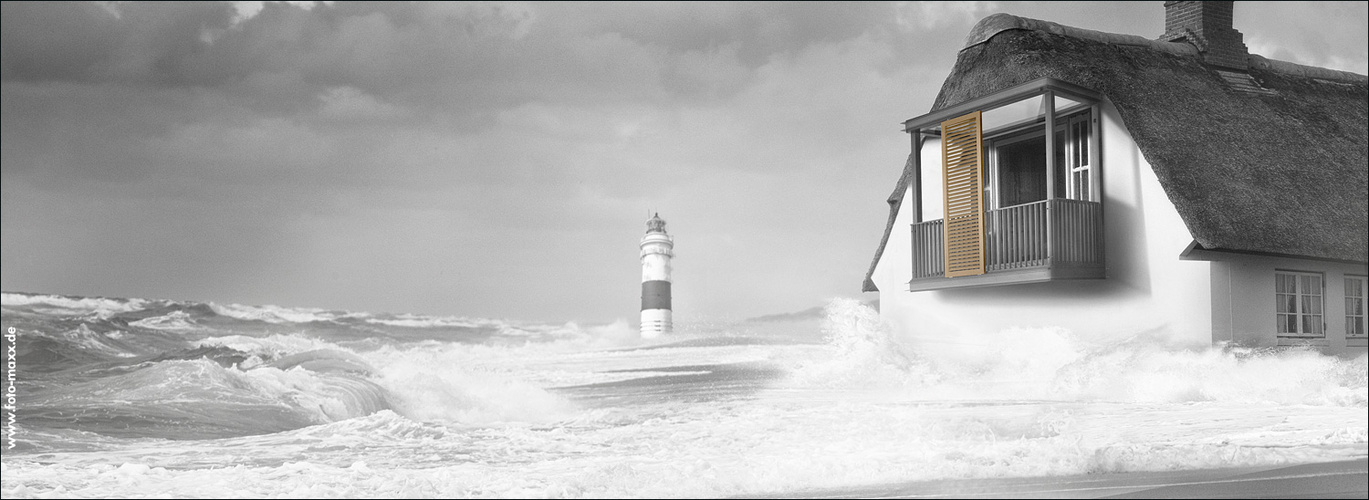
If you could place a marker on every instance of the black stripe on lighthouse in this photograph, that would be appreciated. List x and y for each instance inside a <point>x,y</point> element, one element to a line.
<point>655,294</point>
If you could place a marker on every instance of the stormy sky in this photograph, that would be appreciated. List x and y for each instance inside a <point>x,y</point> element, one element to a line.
<point>490,160</point>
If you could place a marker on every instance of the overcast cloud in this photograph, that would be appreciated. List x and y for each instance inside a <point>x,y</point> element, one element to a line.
<point>494,160</point>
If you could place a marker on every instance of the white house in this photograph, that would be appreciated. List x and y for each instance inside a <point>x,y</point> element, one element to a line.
<point>1113,185</point>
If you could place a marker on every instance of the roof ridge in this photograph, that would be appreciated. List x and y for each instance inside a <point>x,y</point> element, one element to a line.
<point>994,24</point>
<point>1295,69</point>
<point>997,23</point>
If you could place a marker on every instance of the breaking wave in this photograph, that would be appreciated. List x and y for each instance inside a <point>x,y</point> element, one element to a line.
<point>1054,364</point>
<point>59,304</point>
<point>185,399</point>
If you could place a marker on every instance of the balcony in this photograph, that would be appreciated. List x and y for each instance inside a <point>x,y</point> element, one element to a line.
<point>1042,241</point>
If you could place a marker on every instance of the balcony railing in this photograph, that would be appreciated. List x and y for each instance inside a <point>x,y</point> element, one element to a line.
<point>1020,246</point>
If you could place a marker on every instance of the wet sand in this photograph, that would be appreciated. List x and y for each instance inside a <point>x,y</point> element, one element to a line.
<point>1343,479</point>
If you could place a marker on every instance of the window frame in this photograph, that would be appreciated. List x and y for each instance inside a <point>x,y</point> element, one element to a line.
<point>1085,159</point>
<point>1298,294</point>
<point>1350,318</point>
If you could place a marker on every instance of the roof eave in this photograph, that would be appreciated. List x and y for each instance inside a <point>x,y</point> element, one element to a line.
<point>1035,87</point>
<point>1196,251</point>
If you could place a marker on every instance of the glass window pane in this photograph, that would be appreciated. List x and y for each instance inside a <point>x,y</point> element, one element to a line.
<point>1282,303</point>
<point>1063,103</point>
<point>1281,284</point>
<point>1026,110</point>
<point>1282,322</point>
<point>1084,141</point>
<point>1062,167</point>
<point>1022,171</point>
<point>1074,150</point>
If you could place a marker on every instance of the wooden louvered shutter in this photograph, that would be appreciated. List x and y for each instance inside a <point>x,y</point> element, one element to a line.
<point>962,155</point>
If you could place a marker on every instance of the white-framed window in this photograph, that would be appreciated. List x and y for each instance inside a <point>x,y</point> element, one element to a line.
<point>1298,304</point>
<point>1354,306</point>
<point>1077,161</point>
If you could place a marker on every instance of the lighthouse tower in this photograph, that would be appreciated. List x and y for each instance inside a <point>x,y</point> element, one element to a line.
<point>656,253</point>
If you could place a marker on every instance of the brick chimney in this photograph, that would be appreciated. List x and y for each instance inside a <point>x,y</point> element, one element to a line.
<point>1207,25</point>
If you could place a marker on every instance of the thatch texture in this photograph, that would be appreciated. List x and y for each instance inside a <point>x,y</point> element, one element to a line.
<point>1283,172</point>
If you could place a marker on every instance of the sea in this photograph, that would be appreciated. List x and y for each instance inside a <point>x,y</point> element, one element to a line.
<point>131,397</point>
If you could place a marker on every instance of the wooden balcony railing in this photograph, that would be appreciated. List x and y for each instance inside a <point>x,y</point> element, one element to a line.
<point>1020,246</point>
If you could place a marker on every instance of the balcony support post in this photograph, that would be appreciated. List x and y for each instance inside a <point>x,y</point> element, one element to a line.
<point>916,182</point>
<point>1048,102</point>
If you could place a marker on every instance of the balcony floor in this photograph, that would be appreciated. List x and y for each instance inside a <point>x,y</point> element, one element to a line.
<point>1011,276</point>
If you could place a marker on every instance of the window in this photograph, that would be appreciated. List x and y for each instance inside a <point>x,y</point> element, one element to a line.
<point>1354,306</point>
<point>1016,170</point>
<point>1020,169</point>
<point>1298,308</point>
<point>1076,160</point>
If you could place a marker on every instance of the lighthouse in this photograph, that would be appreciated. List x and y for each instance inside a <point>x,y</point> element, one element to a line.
<point>657,249</point>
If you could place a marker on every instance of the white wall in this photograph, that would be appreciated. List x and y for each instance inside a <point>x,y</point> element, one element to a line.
<point>1148,289</point>
<point>1247,316</point>
<point>932,207</point>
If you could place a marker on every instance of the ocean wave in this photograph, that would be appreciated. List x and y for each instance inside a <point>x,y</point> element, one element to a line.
<point>426,381</point>
<point>450,382</point>
<point>282,315</point>
<point>104,342</point>
<point>200,398</point>
<point>177,320</point>
<point>1054,364</point>
<point>418,321</point>
<point>270,347</point>
<point>435,418</point>
<point>63,305</point>
<point>711,453</point>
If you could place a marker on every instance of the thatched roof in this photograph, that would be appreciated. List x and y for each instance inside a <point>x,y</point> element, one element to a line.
<point>1275,163</point>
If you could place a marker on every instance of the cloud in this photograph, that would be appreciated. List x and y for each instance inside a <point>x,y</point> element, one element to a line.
<point>472,158</point>
<point>929,15</point>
